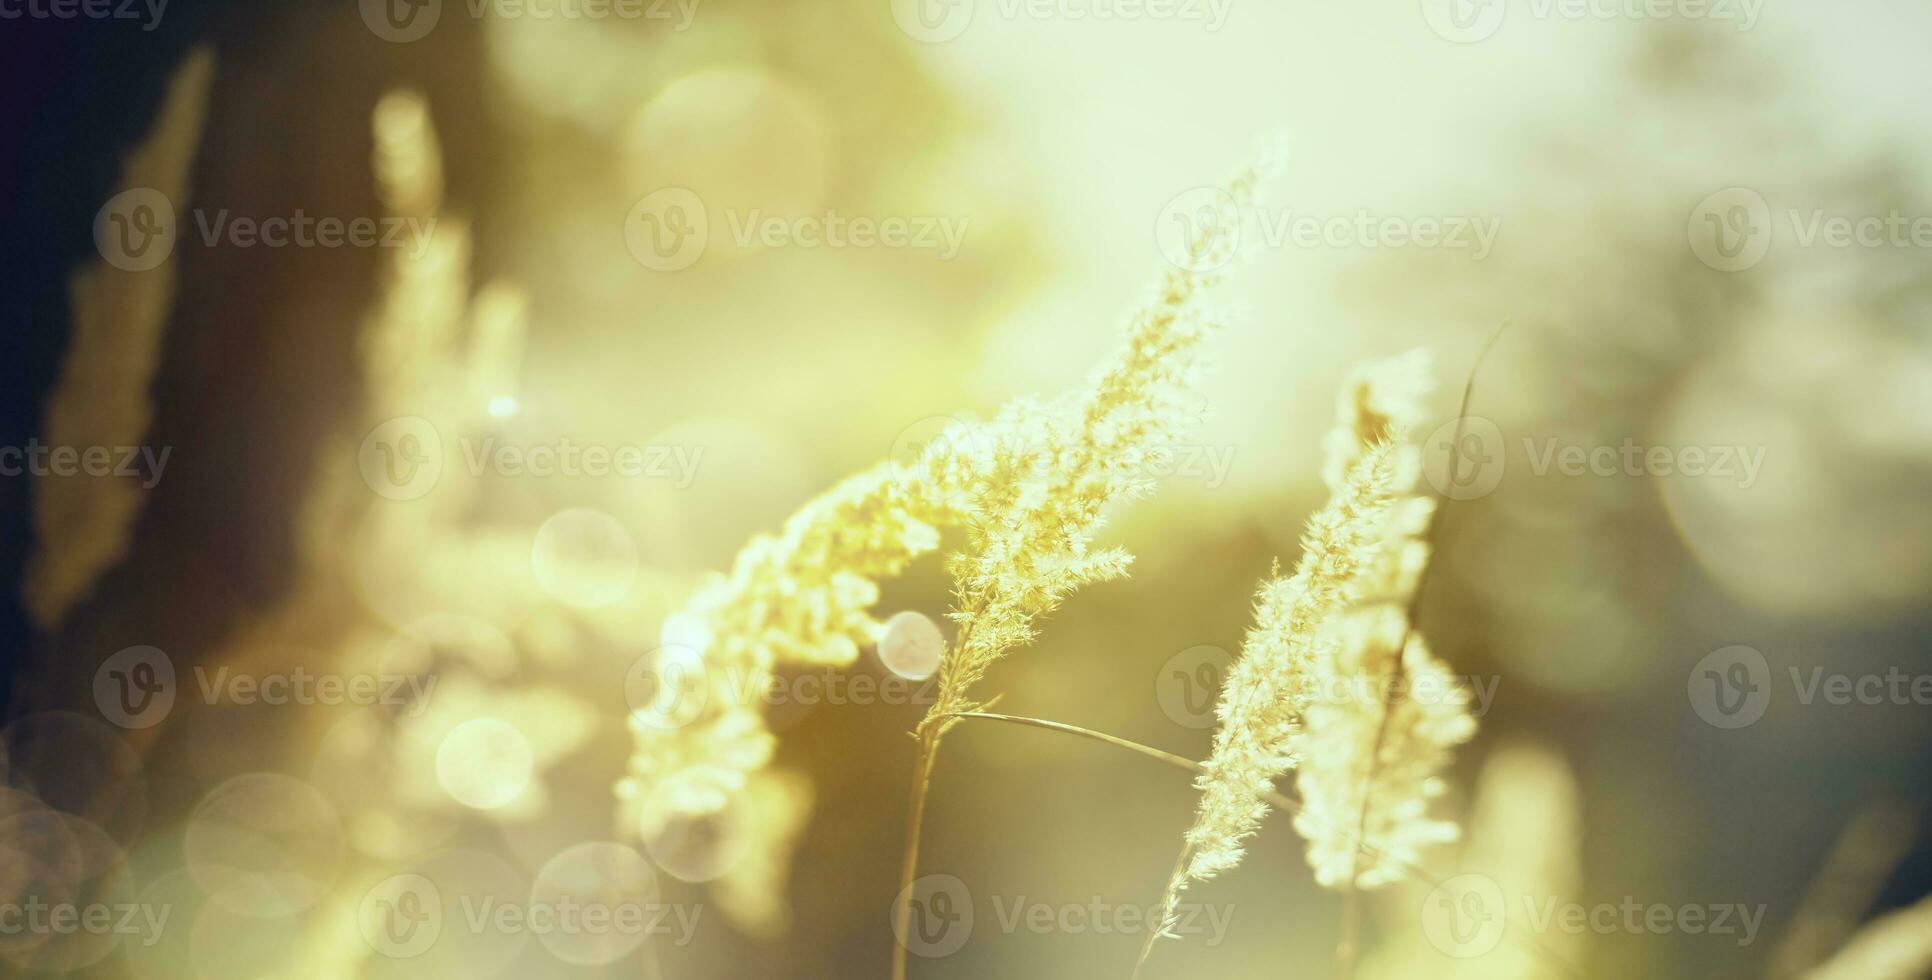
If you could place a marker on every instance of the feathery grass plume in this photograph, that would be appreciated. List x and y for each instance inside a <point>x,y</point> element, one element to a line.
<point>102,397</point>
<point>420,316</point>
<point>1388,712</point>
<point>1029,486</point>
<point>802,596</point>
<point>1048,471</point>
<point>1267,690</point>
<point>1897,946</point>
<point>423,589</point>
<point>1046,474</point>
<point>1282,660</point>
<point>433,349</point>
<point>1380,399</point>
<point>1372,760</point>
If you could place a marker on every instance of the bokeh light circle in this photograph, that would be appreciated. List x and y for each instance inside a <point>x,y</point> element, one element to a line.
<point>484,763</point>
<point>585,558</point>
<point>264,845</point>
<point>590,882</point>
<point>912,646</point>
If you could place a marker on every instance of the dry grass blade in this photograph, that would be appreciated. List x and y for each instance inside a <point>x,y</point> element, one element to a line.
<point>1346,950</point>
<point>1046,478</point>
<point>102,397</point>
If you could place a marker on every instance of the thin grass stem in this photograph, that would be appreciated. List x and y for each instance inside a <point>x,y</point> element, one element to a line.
<point>909,866</point>
<point>1279,801</point>
<point>1347,947</point>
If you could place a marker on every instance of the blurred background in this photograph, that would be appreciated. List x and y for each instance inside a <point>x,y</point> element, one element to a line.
<point>1645,194</point>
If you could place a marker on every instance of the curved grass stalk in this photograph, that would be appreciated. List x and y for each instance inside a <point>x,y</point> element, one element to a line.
<point>1278,800</point>
<point>1347,946</point>
<point>1032,527</point>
